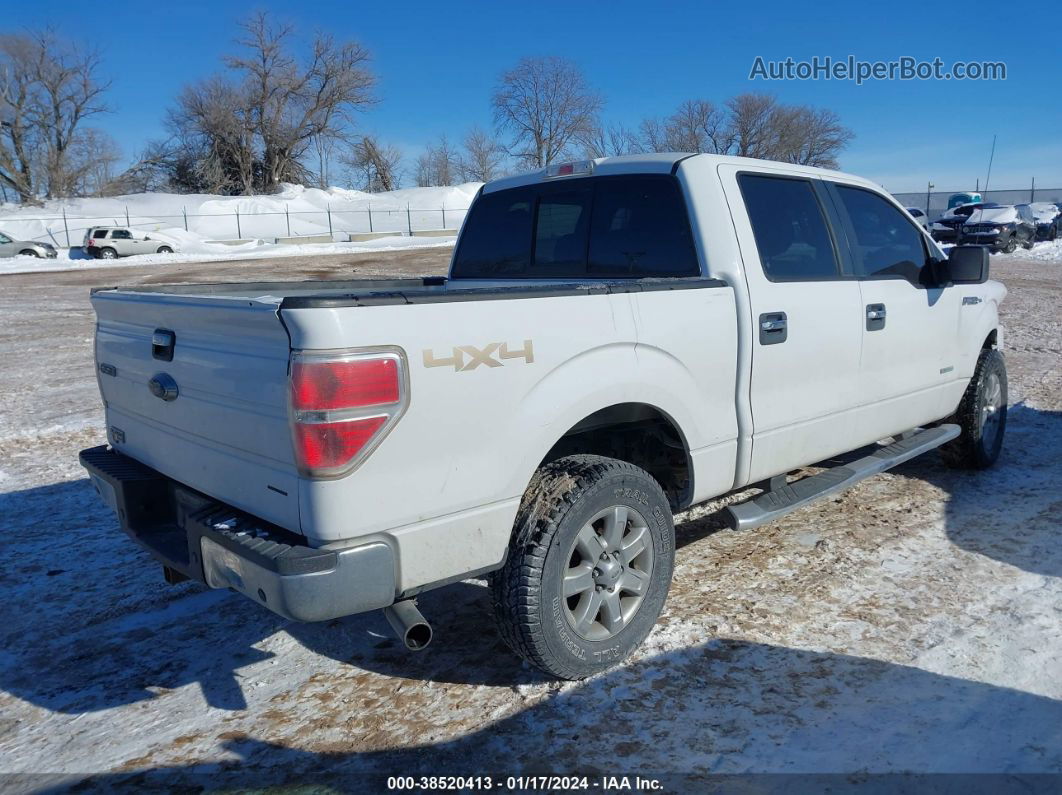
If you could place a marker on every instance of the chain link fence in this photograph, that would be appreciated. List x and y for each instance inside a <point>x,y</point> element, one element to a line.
<point>336,220</point>
<point>935,202</point>
<point>341,221</point>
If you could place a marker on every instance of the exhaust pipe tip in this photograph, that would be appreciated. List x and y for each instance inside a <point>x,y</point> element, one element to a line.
<point>408,623</point>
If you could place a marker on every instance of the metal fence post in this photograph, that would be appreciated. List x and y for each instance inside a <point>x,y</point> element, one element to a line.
<point>1032,191</point>
<point>184,212</point>
<point>328,209</point>
<point>444,217</point>
<point>370,216</point>
<point>127,215</point>
<point>66,229</point>
<point>288,219</point>
<point>409,220</point>
<point>239,234</point>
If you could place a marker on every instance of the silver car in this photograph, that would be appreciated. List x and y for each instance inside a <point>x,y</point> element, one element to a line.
<point>110,242</point>
<point>9,247</point>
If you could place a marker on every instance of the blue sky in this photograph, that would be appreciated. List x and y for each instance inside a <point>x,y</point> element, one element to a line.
<point>437,63</point>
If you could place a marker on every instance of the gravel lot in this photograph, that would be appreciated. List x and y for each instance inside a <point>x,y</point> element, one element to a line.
<point>913,624</point>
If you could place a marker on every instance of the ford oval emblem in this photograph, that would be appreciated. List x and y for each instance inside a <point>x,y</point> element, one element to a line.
<point>163,386</point>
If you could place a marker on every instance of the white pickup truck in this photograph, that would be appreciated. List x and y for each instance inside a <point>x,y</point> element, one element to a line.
<point>617,340</point>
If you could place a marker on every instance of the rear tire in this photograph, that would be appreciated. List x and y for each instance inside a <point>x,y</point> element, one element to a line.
<point>108,253</point>
<point>164,250</point>
<point>589,566</point>
<point>982,416</point>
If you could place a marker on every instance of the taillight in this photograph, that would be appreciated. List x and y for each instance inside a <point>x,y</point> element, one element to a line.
<point>342,406</point>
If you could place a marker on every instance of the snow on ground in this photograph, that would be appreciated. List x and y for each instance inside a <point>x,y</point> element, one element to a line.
<point>912,624</point>
<point>199,251</point>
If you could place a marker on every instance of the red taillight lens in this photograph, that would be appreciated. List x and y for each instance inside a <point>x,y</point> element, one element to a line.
<point>342,406</point>
<point>331,445</point>
<point>323,386</point>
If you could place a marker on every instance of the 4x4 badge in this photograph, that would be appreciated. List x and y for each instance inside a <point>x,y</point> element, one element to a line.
<point>469,357</point>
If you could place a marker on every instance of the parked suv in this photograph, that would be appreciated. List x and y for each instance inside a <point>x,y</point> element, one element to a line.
<point>1001,227</point>
<point>1048,220</point>
<point>948,228</point>
<point>110,242</point>
<point>9,247</point>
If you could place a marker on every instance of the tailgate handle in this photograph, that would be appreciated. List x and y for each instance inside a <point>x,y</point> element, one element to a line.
<point>162,342</point>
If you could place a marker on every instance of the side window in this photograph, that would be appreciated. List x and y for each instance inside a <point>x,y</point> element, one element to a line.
<point>99,234</point>
<point>790,229</point>
<point>4,238</point>
<point>121,234</point>
<point>640,228</point>
<point>561,227</point>
<point>886,242</point>
<point>496,239</point>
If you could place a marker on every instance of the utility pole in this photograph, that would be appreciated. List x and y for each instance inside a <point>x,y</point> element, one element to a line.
<point>991,157</point>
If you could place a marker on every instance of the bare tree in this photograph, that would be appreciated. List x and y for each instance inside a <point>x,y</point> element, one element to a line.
<point>753,125</point>
<point>809,136</point>
<point>546,106</point>
<point>615,139</point>
<point>48,88</point>
<point>439,165</point>
<point>212,122</point>
<point>374,165</point>
<point>290,104</point>
<point>274,117</point>
<point>483,156</point>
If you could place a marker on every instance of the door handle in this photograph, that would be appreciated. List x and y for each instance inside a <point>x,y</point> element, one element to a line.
<point>774,328</point>
<point>875,317</point>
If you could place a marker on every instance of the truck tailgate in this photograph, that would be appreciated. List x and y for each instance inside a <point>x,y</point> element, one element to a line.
<point>226,433</point>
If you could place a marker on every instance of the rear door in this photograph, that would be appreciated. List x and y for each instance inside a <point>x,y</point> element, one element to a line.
<point>807,315</point>
<point>910,326</point>
<point>121,240</point>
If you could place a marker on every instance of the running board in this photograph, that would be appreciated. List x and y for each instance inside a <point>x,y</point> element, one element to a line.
<point>778,502</point>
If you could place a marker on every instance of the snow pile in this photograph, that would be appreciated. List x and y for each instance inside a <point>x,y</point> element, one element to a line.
<point>304,210</point>
<point>1043,252</point>
<point>191,222</point>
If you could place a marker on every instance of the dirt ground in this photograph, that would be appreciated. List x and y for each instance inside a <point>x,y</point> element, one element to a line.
<point>913,624</point>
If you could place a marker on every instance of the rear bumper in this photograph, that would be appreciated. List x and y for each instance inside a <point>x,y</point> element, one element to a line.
<point>201,539</point>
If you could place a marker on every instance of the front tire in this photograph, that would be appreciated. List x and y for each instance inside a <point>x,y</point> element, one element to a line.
<point>29,252</point>
<point>164,250</point>
<point>589,566</point>
<point>1010,245</point>
<point>982,416</point>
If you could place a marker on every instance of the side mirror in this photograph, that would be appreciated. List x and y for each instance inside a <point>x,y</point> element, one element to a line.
<point>966,265</point>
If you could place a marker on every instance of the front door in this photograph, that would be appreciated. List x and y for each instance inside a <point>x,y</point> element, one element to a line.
<point>910,325</point>
<point>807,315</point>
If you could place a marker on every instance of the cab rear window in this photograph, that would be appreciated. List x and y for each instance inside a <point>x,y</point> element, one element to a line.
<point>599,227</point>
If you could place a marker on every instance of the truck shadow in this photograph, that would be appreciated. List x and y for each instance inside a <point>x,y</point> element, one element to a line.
<point>724,707</point>
<point>89,624</point>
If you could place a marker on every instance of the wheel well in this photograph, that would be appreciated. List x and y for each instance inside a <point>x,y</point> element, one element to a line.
<point>639,434</point>
<point>990,340</point>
